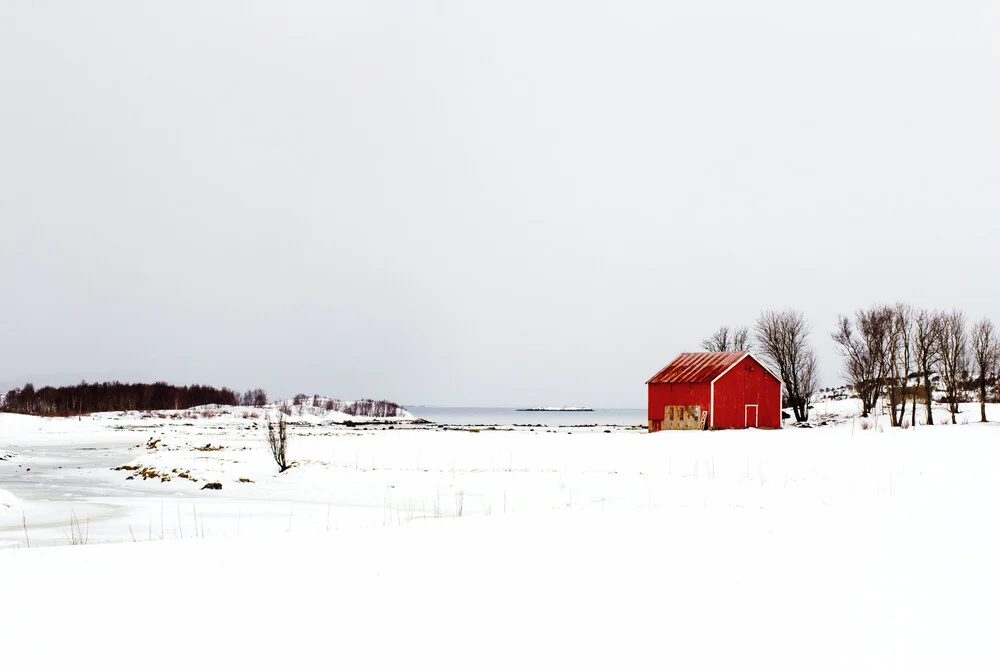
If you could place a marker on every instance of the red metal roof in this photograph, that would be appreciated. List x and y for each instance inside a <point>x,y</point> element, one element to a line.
<point>697,367</point>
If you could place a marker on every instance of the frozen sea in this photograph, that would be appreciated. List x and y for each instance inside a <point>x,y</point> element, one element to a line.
<point>513,417</point>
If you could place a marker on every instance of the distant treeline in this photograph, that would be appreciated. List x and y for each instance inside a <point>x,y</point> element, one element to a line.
<point>116,396</point>
<point>366,407</point>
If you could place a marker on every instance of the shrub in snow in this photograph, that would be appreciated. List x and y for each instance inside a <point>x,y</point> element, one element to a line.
<point>277,439</point>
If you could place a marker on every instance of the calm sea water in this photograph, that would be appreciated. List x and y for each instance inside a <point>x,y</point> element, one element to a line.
<point>510,416</point>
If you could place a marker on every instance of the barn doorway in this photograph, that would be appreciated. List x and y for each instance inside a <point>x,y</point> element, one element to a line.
<point>750,413</point>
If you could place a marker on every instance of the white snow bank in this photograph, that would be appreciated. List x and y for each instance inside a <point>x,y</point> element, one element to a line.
<point>19,429</point>
<point>303,412</point>
<point>8,501</point>
<point>13,424</point>
<point>690,587</point>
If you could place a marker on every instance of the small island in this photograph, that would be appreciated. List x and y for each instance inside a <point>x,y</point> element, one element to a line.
<point>562,409</point>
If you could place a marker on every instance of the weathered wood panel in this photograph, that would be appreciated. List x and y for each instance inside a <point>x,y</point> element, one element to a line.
<point>681,418</point>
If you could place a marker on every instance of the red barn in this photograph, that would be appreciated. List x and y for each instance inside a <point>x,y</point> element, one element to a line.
<point>700,390</point>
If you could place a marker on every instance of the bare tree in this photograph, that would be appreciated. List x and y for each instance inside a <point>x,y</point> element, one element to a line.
<point>953,362</point>
<point>719,341</point>
<point>782,337</point>
<point>866,352</point>
<point>901,361</point>
<point>985,353</point>
<point>727,340</point>
<point>254,398</point>
<point>927,350</point>
<point>277,439</point>
<point>743,339</point>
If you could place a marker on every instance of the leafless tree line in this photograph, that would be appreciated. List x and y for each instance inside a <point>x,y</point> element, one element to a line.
<point>896,350</point>
<point>85,398</point>
<point>366,407</point>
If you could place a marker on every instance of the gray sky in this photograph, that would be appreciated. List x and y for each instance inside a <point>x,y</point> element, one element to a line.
<point>457,203</point>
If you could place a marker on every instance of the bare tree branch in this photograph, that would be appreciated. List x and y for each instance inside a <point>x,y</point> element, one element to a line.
<point>727,340</point>
<point>953,362</point>
<point>743,339</point>
<point>927,350</point>
<point>901,362</point>
<point>718,341</point>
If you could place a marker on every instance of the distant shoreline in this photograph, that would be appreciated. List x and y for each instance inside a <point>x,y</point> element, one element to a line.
<point>554,410</point>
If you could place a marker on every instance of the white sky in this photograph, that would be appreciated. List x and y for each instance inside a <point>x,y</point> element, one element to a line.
<point>457,203</point>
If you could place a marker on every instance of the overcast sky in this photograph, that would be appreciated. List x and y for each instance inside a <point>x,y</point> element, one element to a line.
<point>489,203</point>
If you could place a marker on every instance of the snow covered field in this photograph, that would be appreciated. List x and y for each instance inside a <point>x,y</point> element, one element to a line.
<point>837,545</point>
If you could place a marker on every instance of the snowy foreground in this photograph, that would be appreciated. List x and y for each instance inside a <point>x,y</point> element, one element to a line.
<point>827,546</point>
